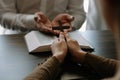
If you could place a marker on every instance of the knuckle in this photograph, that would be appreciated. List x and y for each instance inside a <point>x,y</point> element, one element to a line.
<point>74,40</point>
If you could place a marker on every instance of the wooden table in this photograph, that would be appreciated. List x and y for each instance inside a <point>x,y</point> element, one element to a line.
<point>16,62</point>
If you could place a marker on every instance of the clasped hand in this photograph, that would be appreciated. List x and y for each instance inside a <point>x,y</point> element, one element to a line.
<point>63,44</point>
<point>45,25</point>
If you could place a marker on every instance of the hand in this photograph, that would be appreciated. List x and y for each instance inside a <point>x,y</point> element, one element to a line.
<point>59,48</point>
<point>65,19</point>
<point>75,50</point>
<point>43,23</point>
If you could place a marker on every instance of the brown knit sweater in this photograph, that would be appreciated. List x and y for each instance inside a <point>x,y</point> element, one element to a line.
<point>103,66</point>
<point>48,70</point>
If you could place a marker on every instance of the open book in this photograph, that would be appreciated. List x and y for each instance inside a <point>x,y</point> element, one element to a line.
<point>40,42</point>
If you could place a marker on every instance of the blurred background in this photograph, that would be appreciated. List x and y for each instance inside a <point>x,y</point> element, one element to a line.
<point>86,3</point>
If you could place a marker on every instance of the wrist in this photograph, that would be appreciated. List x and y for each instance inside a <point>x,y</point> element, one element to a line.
<point>81,56</point>
<point>60,57</point>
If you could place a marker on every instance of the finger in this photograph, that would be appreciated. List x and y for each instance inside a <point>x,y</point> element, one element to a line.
<point>47,30</point>
<point>67,36</point>
<point>48,25</point>
<point>68,30</point>
<point>64,21</point>
<point>65,31</point>
<point>69,18</point>
<point>43,18</point>
<point>61,36</point>
<point>70,27</point>
<point>55,23</point>
<point>55,40</point>
<point>57,32</point>
<point>37,18</point>
<point>42,28</point>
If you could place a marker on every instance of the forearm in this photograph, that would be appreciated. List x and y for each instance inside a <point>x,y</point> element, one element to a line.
<point>103,66</point>
<point>18,21</point>
<point>46,71</point>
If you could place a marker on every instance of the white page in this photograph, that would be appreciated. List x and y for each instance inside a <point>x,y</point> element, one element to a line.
<point>36,39</point>
<point>40,42</point>
<point>77,36</point>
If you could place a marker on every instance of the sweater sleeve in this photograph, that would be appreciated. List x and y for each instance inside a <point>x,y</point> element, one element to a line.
<point>46,71</point>
<point>76,8</point>
<point>10,19</point>
<point>103,66</point>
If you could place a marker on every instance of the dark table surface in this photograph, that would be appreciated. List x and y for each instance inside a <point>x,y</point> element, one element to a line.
<point>16,62</point>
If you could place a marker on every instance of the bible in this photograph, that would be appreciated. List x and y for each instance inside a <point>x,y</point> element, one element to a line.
<point>39,42</point>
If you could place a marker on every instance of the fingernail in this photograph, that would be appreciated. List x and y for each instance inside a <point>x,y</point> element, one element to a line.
<point>72,17</point>
<point>65,31</point>
<point>61,32</point>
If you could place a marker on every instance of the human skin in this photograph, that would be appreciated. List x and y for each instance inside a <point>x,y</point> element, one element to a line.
<point>45,25</point>
<point>59,48</point>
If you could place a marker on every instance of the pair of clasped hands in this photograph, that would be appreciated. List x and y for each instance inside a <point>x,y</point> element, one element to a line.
<point>62,44</point>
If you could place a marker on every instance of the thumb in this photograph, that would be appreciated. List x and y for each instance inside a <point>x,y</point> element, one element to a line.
<point>69,18</point>
<point>40,17</point>
<point>43,18</point>
<point>37,18</point>
<point>61,36</point>
<point>67,35</point>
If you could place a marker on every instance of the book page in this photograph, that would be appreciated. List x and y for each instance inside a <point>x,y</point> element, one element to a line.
<point>39,42</point>
<point>84,44</point>
<point>77,36</point>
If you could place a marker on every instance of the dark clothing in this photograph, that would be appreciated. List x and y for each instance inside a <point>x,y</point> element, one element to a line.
<point>105,67</point>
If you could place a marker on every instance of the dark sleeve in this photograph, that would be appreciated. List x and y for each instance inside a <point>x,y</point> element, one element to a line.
<point>103,66</point>
<point>46,71</point>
